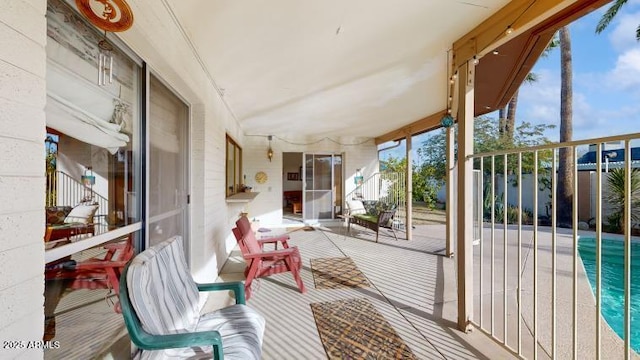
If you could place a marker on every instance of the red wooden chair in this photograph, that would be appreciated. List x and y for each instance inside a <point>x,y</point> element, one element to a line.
<point>244,226</point>
<point>261,263</point>
<point>95,273</point>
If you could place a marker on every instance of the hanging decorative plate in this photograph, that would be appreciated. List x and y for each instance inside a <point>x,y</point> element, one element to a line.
<point>108,15</point>
<point>261,177</point>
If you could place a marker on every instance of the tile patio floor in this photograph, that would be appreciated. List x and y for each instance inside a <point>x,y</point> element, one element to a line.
<point>412,285</point>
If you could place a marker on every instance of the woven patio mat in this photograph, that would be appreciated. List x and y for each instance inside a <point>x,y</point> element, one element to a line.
<point>354,329</point>
<point>332,273</point>
<point>291,229</point>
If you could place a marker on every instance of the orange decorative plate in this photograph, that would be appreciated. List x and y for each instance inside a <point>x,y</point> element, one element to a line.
<point>108,15</point>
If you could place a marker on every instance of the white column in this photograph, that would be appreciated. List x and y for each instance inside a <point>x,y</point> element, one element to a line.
<point>465,195</point>
<point>409,221</point>
<point>450,205</point>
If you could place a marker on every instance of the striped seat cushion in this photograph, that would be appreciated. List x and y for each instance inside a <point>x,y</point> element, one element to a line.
<point>241,329</point>
<point>165,298</point>
<point>162,291</point>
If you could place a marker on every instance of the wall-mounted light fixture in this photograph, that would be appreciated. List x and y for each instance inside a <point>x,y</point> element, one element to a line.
<point>270,150</point>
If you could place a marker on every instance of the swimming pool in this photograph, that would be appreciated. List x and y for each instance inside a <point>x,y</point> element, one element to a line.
<point>612,283</point>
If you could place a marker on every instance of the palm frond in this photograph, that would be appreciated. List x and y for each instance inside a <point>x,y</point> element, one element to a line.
<point>609,15</point>
<point>617,194</point>
<point>553,43</point>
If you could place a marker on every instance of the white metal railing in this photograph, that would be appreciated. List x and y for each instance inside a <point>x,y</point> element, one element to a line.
<point>527,253</point>
<point>388,187</point>
<point>63,190</point>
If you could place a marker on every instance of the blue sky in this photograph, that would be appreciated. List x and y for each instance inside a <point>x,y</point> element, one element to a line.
<point>606,80</point>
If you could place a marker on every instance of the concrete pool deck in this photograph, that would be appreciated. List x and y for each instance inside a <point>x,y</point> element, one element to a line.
<point>414,275</point>
<point>612,347</point>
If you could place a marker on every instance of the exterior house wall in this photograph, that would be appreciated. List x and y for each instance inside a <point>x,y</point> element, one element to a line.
<point>169,57</point>
<point>267,206</point>
<point>22,120</point>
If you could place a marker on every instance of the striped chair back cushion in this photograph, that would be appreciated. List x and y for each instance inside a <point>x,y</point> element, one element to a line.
<point>162,291</point>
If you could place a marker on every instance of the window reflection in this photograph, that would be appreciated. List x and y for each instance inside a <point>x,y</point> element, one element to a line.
<point>92,178</point>
<point>91,132</point>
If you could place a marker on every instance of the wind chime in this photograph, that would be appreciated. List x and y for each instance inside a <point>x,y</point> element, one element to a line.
<point>110,16</point>
<point>105,62</point>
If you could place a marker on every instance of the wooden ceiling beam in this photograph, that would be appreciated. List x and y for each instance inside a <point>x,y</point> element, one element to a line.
<point>519,15</point>
<point>417,127</point>
<point>536,19</point>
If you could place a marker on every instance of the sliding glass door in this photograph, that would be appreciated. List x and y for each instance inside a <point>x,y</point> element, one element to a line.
<point>168,164</point>
<point>322,186</point>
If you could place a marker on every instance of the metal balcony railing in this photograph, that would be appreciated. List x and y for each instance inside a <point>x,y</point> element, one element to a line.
<point>544,281</point>
<point>63,190</point>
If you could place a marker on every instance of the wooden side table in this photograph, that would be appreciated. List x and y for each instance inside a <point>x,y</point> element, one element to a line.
<point>297,207</point>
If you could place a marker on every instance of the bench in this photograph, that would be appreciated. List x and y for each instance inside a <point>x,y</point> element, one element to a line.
<point>160,306</point>
<point>379,215</point>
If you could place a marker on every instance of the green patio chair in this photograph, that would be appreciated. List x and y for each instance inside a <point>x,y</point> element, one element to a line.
<point>160,306</point>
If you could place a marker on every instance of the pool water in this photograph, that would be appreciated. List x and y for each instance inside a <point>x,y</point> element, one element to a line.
<point>612,277</point>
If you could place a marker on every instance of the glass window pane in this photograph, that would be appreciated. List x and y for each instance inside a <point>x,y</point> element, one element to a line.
<point>167,163</point>
<point>322,172</point>
<point>93,129</point>
<point>234,178</point>
<point>308,172</point>
<point>238,170</point>
<point>92,178</point>
<point>337,183</point>
<point>230,168</point>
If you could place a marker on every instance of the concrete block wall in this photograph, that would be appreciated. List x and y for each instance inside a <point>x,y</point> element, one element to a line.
<point>22,120</point>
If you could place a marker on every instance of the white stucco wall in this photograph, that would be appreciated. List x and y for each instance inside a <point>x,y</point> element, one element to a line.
<point>172,59</point>
<point>267,206</point>
<point>22,100</point>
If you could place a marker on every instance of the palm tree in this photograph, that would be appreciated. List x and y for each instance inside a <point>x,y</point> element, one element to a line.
<point>617,194</point>
<point>610,14</point>
<point>565,165</point>
<point>507,114</point>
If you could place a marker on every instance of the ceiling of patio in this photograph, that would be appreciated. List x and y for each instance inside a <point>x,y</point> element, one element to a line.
<point>329,68</point>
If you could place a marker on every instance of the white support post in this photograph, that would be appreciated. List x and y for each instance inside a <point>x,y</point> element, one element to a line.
<point>465,195</point>
<point>450,206</point>
<point>408,219</point>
